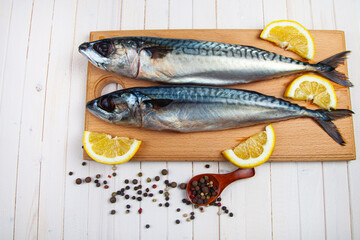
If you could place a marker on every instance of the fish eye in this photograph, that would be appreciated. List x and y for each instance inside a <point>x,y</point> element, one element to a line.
<point>104,48</point>
<point>106,103</point>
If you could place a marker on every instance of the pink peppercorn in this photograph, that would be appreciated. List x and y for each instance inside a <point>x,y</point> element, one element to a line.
<point>106,186</point>
<point>140,210</point>
<point>109,176</point>
<point>154,186</point>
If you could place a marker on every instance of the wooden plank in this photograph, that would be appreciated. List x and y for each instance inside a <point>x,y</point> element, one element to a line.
<point>309,174</point>
<point>27,197</point>
<point>55,127</point>
<point>156,17</point>
<point>350,25</point>
<point>249,200</point>
<point>13,76</point>
<point>287,131</point>
<point>76,206</point>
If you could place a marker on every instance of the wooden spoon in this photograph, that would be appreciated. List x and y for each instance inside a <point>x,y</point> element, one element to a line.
<point>221,181</point>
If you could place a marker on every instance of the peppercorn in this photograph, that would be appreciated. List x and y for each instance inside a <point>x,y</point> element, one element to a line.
<point>113,199</point>
<point>96,181</point>
<point>151,195</point>
<point>154,186</point>
<point>157,178</point>
<point>166,194</point>
<point>218,199</point>
<point>147,189</point>
<point>139,198</point>
<point>140,210</point>
<point>104,182</point>
<point>185,215</point>
<point>160,204</point>
<point>98,176</point>
<point>164,172</point>
<point>207,165</point>
<point>127,196</point>
<point>173,184</point>
<point>98,184</point>
<point>140,174</point>
<point>127,211</point>
<point>161,191</point>
<point>127,187</point>
<point>134,181</point>
<point>167,204</point>
<point>154,200</point>
<point>71,173</point>
<point>178,209</point>
<point>109,176</point>
<point>166,182</point>
<point>183,186</point>
<point>167,198</point>
<point>194,183</point>
<point>145,194</point>
<point>106,186</point>
<point>192,213</point>
<point>139,192</point>
<point>226,211</point>
<point>231,214</point>
<point>192,217</point>
<point>133,197</point>
<point>177,221</point>
<point>113,194</point>
<point>112,212</point>
<point>126,181</point>
<point>147,226</point>
<point>114,168</point>
<point>78,181</point>
<point>88,179</point>
<point>139,186</point>
<point>114,174</point>
<point>223,208</point>
<point>84,163</point>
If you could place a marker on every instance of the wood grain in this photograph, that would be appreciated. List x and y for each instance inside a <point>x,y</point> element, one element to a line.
<point>308,141</point>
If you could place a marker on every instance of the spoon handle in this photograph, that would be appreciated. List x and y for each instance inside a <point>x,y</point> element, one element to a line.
<point>236,175</point>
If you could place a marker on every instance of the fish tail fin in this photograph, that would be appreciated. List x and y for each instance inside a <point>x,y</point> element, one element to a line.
<point>325,118</point>
<point>327,68</point>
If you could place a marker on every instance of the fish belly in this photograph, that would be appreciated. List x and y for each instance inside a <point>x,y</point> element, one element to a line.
<point>213,70</point>
<point>195,117</point>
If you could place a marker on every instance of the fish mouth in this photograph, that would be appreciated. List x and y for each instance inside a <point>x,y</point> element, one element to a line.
<point>86,50</point>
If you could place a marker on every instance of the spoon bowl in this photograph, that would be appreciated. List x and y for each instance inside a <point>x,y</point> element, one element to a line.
<point>221,181</point>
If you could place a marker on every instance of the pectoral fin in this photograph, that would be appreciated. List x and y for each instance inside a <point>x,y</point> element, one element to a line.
<point>158,103</point>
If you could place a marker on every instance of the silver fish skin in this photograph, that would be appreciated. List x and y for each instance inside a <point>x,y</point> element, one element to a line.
<point>183,61</point>
<point>198,108</point>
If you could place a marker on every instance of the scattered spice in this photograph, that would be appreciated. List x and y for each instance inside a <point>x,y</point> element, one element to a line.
<point>112,212</point>
<point>114,168</point>
<point>106,186</point>
<point>114,174</point>
<point>98,176</point>
<point>71,173</point>
<point>126,181</point>
<point>78,181</point>
<point>140,210</point>
<point>98,184</point>
<point>127,211</point>
<point>157,178</point>
<point>147,226</point>
<point>154,186</point>
<point>164,172</point>
<point>178,209</point>
<point>128,206</point>
<point>134,181</point>
<point>113,199</point>
<point>84,163</point>
<point>231,214</point>
<point>207,165</point>
<point>148,179</point>
<point>109,176</point>
<point>88,179</point>
<point>177,221</point>
<point>140,174</point>
<point>167,204</point>
<point>182,186</point>
<point>104,182</point>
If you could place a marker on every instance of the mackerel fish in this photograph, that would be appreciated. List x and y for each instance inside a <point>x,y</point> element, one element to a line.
<point>183,61</point>
<point>199,108</point>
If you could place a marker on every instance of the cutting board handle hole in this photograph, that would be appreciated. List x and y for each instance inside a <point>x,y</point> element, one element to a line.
<point>106,85</point>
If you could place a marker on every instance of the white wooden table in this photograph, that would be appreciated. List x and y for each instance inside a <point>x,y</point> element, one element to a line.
<point>42,91</point>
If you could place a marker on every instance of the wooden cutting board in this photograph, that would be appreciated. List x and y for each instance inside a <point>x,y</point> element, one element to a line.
<point>296,140</point>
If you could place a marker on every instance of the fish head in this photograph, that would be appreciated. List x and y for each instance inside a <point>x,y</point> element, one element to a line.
<point>113,54</point>
<point>120,107</point>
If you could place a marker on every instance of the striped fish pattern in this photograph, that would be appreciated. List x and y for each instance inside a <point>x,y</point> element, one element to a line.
<point>183,61</point>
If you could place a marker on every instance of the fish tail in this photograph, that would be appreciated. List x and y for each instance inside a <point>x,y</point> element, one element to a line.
<point>324,119</point>
<point>328,65</point>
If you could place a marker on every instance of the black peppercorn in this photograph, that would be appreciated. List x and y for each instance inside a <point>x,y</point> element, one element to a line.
<point>231,214</point>
<point>147,226</point>
<point>98,176</point>
<point>84,163</point>
<point>78,181</point>
<point>98,184</point>
<point>177,221</point>
<point>71,173</point>
<point>157,178</point>
<point>167,204</point>
<point>126,181</point>
<point>112,212</point>
<point>114,174</point>
<point>134,181</point>
<point>127,196</point>
<point>113,199</point>
<point>128,206</point>
<point>88,179</point>
<point>164,172</point>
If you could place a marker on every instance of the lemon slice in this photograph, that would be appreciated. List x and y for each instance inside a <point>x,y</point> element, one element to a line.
<point>254,151</point>
<point>104,149</point>
<point>290,35</point>
<point>313,87</point>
